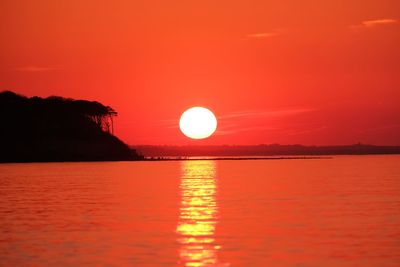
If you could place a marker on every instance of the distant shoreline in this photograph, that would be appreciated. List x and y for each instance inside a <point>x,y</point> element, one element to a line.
<point>150,159</point>
<point>263,150</point>
<point>234,158</point>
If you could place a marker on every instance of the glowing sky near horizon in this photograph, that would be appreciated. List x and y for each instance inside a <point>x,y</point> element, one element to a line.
<point>309,72</point>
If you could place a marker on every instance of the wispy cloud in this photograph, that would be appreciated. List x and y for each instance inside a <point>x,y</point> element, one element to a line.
<point>234,129</point>
<point>264,35</point>
<point>374,23</point>
<point>33,68</point>
<point>247,120</point>
<point>269,113</point>
<point>255,120</point>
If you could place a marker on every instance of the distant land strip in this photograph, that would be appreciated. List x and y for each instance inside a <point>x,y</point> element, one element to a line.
<point>230,158</point>
<point>224,151</point>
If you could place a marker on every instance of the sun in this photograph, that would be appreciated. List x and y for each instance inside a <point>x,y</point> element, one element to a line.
<point>198,123</point>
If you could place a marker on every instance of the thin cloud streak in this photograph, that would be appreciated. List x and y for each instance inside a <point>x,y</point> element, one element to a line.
<point>230,125</point>
<point>229,129</point>
<point>264,35</point>
<point>235,122</point>
<point>374,23</point>
<point>270,113</point>
<point>371,23</point>
<point>283,130</point>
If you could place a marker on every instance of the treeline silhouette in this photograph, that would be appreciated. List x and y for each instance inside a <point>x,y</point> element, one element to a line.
<point>58,129</point>
<point>264,150</point>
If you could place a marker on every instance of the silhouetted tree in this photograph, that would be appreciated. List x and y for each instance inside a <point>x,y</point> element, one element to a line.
<point>57,128</point>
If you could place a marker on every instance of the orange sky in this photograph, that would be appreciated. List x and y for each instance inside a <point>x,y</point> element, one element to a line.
<point>309,72</point>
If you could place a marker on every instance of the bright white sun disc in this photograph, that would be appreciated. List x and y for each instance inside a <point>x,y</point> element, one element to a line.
<point>198,123</point>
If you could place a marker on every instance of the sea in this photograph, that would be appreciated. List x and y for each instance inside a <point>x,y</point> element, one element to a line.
<point>301,212</point>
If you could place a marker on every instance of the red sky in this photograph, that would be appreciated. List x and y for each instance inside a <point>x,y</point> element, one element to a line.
<point>309,72</point>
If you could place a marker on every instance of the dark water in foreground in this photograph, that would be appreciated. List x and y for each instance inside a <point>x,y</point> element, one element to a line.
<point>343,211</point>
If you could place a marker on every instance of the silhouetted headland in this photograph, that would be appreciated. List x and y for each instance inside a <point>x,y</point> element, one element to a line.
<point>263,150</point>
<point>58,129</point>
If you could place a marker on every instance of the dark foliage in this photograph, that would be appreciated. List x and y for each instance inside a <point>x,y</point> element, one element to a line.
<point>58,129</point>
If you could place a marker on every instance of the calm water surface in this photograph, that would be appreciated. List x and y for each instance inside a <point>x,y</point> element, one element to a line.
<point>343,211</point>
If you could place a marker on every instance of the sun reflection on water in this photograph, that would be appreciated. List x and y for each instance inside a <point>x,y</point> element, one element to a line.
<point>198,214</point>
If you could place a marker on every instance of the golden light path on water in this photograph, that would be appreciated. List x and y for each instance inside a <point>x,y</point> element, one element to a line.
<point>198,214</point>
